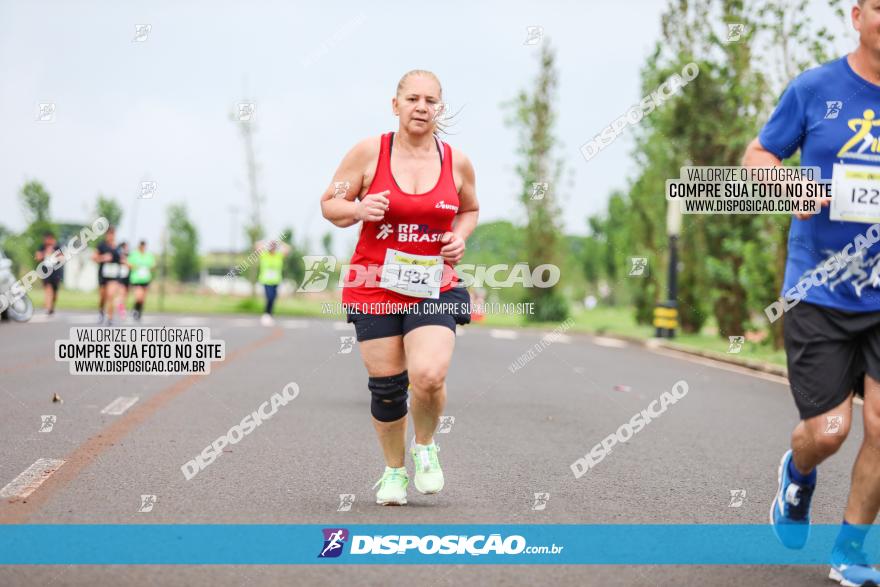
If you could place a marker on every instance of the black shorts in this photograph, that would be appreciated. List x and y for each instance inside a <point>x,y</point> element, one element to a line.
<point>53,281</point>
<point>143,285</point>
<point>829,352</point>
<point>455,310</point>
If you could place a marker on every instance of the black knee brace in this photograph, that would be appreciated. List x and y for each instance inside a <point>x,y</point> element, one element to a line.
<point>389,397</point>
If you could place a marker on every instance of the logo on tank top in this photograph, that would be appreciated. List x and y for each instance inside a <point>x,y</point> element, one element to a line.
<point>418,233</point>
<point>444,206</point>
<point>384,231</point>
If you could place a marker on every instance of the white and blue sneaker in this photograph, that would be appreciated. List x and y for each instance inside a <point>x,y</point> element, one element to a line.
<point>790,511</point>
<point>850,568</point>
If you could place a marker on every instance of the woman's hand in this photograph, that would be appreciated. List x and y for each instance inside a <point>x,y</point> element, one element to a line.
<point>454,247</point>
<point>372,207</point>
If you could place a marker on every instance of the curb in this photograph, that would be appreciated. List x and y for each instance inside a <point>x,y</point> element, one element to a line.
<point>753,364</point>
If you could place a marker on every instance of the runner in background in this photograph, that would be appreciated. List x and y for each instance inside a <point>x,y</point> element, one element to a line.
<point>124,273</point>
<point>141,264</point>
<point>108,259</point>
<point>53,281</point>
<point>271,268</point>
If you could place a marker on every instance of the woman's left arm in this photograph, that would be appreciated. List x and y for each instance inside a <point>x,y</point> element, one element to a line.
<point>468,212</point>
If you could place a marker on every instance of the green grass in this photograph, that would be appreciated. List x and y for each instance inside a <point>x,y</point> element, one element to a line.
<point>187,303</point>
<point>601,320</point>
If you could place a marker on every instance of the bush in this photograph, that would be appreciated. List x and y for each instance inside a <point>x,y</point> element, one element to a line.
<point>550,307</point>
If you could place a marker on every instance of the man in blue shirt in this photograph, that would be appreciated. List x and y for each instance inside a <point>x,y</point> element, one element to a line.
<point>832,334</point>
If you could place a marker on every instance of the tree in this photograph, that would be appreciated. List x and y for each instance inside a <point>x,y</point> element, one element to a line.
<point>35,202</point>
<point>13,247</point>
<point>534,117</point>
<point>109,208</point>
<point>183,241</point>
<point>327,243</point>
<point>493,243</point>
<point>612,233</point>
<point>294,268</point>
<point>709,122</point>
<point>731,265</point>
<point>590,261</point>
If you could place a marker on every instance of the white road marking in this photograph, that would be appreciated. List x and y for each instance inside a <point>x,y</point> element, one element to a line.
<point>119,405</point>
<point>188,321</point>
<point>505,334</point>
<point>31,478</point>
<point>557,337</point>
<point>610,342</point>
<point>342,326</point>
<point>295,324</point>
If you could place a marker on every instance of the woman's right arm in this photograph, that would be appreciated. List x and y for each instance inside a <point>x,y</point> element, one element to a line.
<point>339,202</point>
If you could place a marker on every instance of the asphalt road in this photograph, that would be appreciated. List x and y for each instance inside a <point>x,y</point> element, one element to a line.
<point>513,435</point>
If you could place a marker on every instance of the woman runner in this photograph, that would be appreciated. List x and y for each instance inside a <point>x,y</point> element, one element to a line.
<point>141,263</point>
<point>400,292</point>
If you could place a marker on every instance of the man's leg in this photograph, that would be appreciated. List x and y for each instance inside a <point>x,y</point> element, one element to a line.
<point>48,296</point>
<point>109,299</point>
<point>55,286</point>
<point>140,293</point>
<point>849,563</point>
<point>864,493</point>
<point>270,297</point>
<point>815,439</point>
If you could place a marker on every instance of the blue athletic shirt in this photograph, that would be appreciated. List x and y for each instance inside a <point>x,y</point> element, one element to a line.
<point>827,112</point>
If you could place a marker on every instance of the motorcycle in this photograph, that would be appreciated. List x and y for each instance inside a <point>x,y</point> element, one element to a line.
<point>21,309</point>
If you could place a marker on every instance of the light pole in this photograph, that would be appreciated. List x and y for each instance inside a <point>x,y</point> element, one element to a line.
<point>233,225</point>
<point>666,313</point>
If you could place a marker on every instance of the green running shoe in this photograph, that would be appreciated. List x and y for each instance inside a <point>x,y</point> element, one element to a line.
<point>429,475</point>
<point>392,487</point>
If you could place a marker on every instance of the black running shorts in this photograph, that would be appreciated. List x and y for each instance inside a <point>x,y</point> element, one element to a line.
<point>829,351</point>
<point>450,309</point>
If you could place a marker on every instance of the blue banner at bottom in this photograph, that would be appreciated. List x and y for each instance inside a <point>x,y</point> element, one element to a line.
<point>277,544</point>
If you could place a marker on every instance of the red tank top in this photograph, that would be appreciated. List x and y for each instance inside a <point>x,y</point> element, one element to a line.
<point>413,224</point>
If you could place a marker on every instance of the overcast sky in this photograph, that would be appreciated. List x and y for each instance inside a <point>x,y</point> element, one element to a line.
<point>321,75</point>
